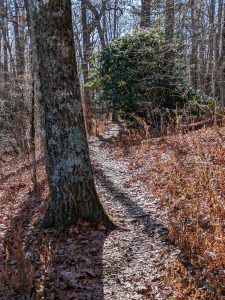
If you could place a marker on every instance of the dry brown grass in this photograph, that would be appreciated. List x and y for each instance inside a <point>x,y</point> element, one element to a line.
<point>195,178</point>
<point>187,174</point>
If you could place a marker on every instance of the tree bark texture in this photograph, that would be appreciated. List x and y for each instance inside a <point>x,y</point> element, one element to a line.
<point>145,13</point>
<point>169,20</point>
<point>194,47</point>
<point>71,182</point>
<point>85,65</point>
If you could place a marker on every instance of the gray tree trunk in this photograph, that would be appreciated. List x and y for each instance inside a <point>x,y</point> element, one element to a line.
<point>169,21</point>
<point>169,35</point>
<point>85,65</point>
<point>3,28</point>
<point>145,13</point>
<point>210,84</point>
<point>221,68</point>
<point>71,182</point>
<point>19,42</point>
<point>194,47</point>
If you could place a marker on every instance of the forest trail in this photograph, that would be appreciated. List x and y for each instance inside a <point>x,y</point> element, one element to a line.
<point>84,263</point>
<point>134,260</point>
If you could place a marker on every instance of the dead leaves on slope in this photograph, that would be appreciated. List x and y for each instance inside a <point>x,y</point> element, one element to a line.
<point>187,174</point>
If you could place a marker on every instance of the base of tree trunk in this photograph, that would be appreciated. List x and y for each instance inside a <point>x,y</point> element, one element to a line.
<point>114,116</point>
<point>46,224</point>
<point>60,220</point>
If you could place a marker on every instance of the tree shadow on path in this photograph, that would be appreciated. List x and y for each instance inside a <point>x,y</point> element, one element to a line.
<point>148,228</point>
<point>135,213</point>
<point>45,264</point>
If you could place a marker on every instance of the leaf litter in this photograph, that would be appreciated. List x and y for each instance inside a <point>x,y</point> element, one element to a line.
<point>132,262</point>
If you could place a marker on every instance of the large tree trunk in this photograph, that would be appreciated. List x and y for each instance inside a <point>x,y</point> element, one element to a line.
<point>71,183</point>
<point>145,13</point>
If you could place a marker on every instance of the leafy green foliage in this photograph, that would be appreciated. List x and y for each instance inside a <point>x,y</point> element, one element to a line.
<point>139,72</point>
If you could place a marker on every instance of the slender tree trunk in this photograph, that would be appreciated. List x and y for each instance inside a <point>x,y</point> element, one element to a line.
<point>194,47</point>
<point>96,21</point>
<point>12,68</point>
<point>85,65</point>
<point>221,68</point>
<point>105,29</point>
<point>169,35</point>
<point>145,13</point>
<point>210,88</point>
<point>219,30</point>
<point>71,182</point>
<point>218,44</point>
<point>19,43</point>
<point>32,138</point>
<point>3,10</point>
<point>6,65</point>
<point>32,117</point>
<point>169,21</point>
<point>115,31</point>
<point>26,5</point>
<point>202,61</point>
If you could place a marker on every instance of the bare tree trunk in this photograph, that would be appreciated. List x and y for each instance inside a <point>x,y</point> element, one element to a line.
<point>71,182</point>
<point>115,31</point>
<point>169,20</point>
<point>194,47</point>
<point>32,121</point>
<point>6,67</point>
<point>169,35</point>
<point>221,68</point>
<point>85,64</point>
<point>105,29</point>
<point>19,43</point>
<point>3,10</point>
<point>145,13</point>
<point>32,138</point>
<point>210,88</point>
<point>202,61</point>
<point>218,45</point>
<point>97,21</point>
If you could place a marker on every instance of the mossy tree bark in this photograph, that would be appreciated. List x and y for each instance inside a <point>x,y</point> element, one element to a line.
<point>70,176</point>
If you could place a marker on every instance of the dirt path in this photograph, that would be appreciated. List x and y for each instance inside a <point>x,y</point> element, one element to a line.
<point>85,263</point>
<point>134,260</point>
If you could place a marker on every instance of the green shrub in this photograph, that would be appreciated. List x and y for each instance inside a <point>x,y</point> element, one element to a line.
<point>139,72</point>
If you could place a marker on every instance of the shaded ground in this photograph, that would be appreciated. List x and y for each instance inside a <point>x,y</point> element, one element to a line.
<point>134,260</point>
<point>85,263</point>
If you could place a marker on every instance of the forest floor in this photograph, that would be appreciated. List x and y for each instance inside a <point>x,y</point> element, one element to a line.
<point>131,262</point>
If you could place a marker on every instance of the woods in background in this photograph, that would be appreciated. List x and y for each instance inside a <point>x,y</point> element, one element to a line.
<point>98,101</point>
<point>197,27</point>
